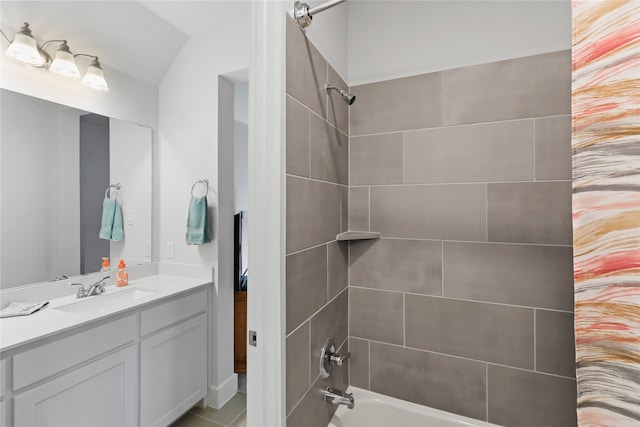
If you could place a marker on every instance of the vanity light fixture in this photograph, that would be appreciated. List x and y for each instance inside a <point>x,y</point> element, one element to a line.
<point>25,49</point>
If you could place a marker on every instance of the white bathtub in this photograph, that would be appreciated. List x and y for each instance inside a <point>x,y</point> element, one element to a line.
<point>377,410</point>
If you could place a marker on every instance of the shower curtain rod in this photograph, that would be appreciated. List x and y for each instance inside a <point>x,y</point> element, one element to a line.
<point>303,14</point>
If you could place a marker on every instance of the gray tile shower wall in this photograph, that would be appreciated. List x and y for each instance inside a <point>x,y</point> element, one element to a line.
<point>317,197</point>
<point>466,302</point>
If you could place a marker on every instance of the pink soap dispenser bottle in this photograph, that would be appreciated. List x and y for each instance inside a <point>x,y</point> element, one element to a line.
<point>122,278</point>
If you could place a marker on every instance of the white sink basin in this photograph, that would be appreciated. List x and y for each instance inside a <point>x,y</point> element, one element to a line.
<point>107,302</point>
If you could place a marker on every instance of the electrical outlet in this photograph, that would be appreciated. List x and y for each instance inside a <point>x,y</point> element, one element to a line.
<point>171,250</point>
<point>147,248</point>
<point>131,216</point>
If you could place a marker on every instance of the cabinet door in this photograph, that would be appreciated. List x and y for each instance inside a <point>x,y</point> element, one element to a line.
<point>102,393</point>
<point>173,371</point>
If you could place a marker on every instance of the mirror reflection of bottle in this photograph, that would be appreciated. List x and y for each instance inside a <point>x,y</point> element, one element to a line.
<point>105,264</point>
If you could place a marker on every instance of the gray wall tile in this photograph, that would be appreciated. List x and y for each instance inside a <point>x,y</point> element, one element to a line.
<point>312,411</point>
<point>447,383</point>
<point>306,285</point>
<point>338,110</point>
<point>424,154</point>
<point>397,265</point>
<point>533,86</point>
<point>453,212</point>
<point>297,366</point>
<point>359,208</point>
<point>376,159</point>
<point>359,363</point>
<point>306,70</point>
<point>297,138</point>
<point>553,147</point>
<point>489,332</point>
<point>555,343</point>
<point>330,322</point>
<point>521,398</point>
<point>400,104</point>
<point>338,267</point>
<point>329,152</point>
<point>537,276</point>
<point>376,315</point>
<point>530,212</point>
<point>313,213</point>
<point>344,208</point>
<point>501,151</point>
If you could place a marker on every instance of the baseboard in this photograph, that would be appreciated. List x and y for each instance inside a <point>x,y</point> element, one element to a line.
<point>218,396</point>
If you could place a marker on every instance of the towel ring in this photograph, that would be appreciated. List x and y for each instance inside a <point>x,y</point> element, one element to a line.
<point>204,182</point>
<point>107,194</point>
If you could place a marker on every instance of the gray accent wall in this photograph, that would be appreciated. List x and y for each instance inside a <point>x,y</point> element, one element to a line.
<point>317,162</point>
<point>465,304</point>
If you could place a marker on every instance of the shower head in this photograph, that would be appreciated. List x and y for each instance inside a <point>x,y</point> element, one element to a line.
<point>347,97</point>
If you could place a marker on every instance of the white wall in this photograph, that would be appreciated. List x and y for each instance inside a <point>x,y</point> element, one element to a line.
<point>328,32</point>
<point>188,143</point>
<point>391,39</point>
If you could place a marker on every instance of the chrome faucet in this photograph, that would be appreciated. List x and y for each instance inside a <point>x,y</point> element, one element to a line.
<point>338,397</point>
<point>95,289</point>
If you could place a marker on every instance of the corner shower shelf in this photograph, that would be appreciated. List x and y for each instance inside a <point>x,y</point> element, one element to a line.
<point>358,235</point>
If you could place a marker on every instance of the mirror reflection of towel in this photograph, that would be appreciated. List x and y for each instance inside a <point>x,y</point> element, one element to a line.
<point>111,227</point>
<point>198,222</point>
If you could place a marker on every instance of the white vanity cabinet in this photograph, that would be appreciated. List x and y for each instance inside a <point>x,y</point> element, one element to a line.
<point>173,363</point>
<point>87,378</point>
<point>102,393</point>
<point>145,366</point>
<point>4,406</point>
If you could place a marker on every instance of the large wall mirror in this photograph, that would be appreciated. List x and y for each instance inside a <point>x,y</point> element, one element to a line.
<point>56,164</point>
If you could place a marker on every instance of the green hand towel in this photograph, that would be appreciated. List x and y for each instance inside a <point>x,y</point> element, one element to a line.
<point>108,214</point>
<point>198,222</point>
<point>117,231</point>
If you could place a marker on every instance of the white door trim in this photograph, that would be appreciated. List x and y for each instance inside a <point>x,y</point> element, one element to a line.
<point>265,362</point>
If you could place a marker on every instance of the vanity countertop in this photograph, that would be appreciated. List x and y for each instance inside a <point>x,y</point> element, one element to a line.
<point>61,314</point>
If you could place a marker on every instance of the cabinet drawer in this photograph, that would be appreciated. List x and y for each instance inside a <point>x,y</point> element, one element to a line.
<point>102,393</point>
<point>158,317</point>
<point>48,359</point>
<point>3,378</point>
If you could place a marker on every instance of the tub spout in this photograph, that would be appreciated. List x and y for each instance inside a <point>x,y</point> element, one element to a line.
<point>338,397</point>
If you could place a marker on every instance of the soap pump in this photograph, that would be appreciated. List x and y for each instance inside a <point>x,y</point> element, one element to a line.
<point>122,278</point>
<point>105,264</point>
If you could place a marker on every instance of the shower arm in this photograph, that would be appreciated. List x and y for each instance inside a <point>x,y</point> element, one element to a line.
<point>303,14</point>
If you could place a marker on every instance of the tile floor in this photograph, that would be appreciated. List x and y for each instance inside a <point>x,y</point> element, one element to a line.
<point>233,414</point>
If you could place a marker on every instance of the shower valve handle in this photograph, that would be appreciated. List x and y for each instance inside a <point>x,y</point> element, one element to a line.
<point>339,360</point>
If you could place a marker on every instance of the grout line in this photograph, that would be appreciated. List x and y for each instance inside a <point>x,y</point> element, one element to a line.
<point>369,208</point>
<point>316,180</point>
<point>535,361</point>
<point>238,417</point>
<point>307,249</point>
<point>404,319</point>
<point>479,242</point>
<point>308,141</point>
<point>534,149</point>
<point>443,99</point>
<point>327,270</point>
<point>215,423</point>
<point>442,266</point>
<point>460,299</point>
<point>486,391</point>
<point>369,364</point>
<point>432,184</point>
<point>404,151</point>
<point>460,125</point>
<point>308,319</point>
<point>486,212</point>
